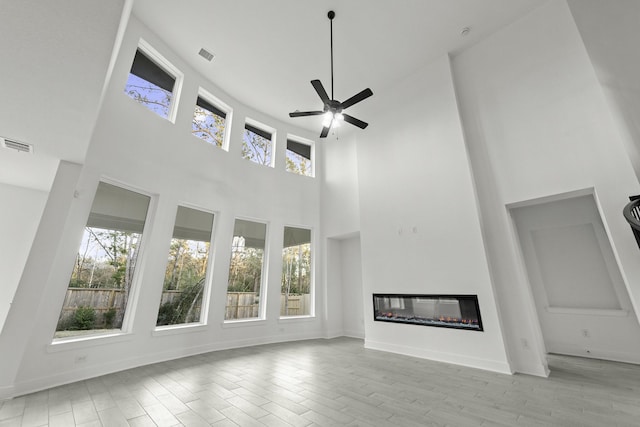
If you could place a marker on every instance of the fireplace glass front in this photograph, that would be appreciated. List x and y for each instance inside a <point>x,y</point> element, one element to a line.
<point>446,311</point>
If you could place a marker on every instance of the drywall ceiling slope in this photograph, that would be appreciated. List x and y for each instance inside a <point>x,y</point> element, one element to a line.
<point>54,61</point>
<point>266,53</point>
<point>610,33</point>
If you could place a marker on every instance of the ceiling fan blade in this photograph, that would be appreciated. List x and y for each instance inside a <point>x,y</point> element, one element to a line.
<point>354,121</point>
<point>317,85</point>
<point>325,132</point>
<point>305,113</point>
<point>357,98</point>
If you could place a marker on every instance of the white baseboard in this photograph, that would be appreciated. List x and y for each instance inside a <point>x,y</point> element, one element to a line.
<point>593,353</point>
<point>354,334</point>
<point>452,358</point>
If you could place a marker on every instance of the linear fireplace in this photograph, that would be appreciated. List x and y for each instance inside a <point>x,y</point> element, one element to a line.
<point>445,311</point>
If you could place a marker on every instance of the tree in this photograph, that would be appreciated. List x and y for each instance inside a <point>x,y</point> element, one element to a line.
<point>208,126</point>
<point>148,94</point>
<point>256,148</point>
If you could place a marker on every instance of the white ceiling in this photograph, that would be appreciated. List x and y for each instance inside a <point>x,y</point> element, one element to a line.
<point>267,52</point>
<point>56,55</point>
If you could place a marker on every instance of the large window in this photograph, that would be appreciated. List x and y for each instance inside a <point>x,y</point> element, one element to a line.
<point>257,144</point>
<point>104,270</point>
<point>152,82</point>
<point>245,271</point>
<point>210,121</point>
<point>186,272</point>
<point>295,299</point>
<point>299,158</point>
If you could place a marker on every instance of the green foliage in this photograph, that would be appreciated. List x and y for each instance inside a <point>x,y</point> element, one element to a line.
<point>183,309</point>
<point>114,265</point>
<point>245,270</point>
<point>83,319</point>
<point>109,316</point>
<point>296,270</point>
<point>208,126</point>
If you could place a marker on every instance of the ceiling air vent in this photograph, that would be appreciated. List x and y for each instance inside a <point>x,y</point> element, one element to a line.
<point>206,54</point>
<point>15,145</point>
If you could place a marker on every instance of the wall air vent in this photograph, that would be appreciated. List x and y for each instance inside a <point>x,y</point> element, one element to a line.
<point>206,54</point>
<point>15,145</point>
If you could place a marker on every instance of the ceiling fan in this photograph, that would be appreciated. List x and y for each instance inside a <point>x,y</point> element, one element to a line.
<point>332,108</point>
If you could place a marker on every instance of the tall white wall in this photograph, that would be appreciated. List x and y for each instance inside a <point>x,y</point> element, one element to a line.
<point>610,34</point>
<point>537,124</point>
<point>134,147</point>
<point>18,227</point>
<point>353,301</point>
<point>420,229</point>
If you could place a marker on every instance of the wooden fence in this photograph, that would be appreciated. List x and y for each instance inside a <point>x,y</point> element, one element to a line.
<point>239,305</point>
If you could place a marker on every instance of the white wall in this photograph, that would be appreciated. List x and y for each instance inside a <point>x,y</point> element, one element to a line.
<point>536,124</point>
<point>420,229</point>
<point>18,227</point>
<point>581,300</point>
<point>340,200</point>
<point>610,34</point>
<point>351,279</point>
<point>134,147</point>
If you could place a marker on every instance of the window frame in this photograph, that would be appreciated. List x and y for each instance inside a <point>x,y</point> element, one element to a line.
<point>264,282</point>
<point>312,153</point>
<point>154,56</point>
<point>131,307</point>
<point>312,267</point>
<point>208,278</point>
<point>261,128</point>
<point>225,108</point>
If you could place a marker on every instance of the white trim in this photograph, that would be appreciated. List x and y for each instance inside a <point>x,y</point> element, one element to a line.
<point>182,328</point>
<point>167,66</point>
<point>587,311</point>
<point>311,144</point>
<point>85,341</point>
<point>452,358</point>
<point>312,284</point>
<point>250,321</point>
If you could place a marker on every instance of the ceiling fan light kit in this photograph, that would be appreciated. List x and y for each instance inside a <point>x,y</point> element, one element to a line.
<point>333,109</point>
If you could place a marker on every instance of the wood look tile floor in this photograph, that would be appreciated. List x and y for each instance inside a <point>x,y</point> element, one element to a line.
<point>334,383</point>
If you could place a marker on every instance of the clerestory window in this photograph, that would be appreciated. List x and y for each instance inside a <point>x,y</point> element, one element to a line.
<point>257,144</point>
<point>211,120</point>
<point>153,82</point>
<point>299,158</point>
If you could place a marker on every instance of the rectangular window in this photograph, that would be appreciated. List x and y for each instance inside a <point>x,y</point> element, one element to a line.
<point>187,265</point>
<point>103,273</point>
<point>209,121</point>
<point>257,145</point>
<point>245,271</point>
<point>299,158</point>
<point>295,299</point>
<point>152,84</point>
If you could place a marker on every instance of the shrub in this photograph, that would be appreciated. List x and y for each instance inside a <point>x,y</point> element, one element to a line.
<point>83,319</point>
<point>109,316</point>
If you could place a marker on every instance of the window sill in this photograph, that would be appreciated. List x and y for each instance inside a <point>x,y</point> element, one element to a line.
<point>178,329</point>
<point>72,343</point>
<point>287,319</point>
<point>243,322</point>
